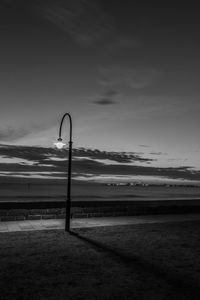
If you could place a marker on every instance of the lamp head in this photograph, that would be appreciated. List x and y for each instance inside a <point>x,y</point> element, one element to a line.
<point>59,144</point>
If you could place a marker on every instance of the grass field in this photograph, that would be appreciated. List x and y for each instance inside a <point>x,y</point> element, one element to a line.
<point>149,261</point>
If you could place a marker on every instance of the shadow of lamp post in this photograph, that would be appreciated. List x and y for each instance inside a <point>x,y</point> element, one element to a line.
<point>59,144</point>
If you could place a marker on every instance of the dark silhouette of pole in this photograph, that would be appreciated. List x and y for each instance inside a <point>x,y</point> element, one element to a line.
<point>68,199</point>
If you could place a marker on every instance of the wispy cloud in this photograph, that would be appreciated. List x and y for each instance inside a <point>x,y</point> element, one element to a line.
<point>125,42</point>
<point>156,153</point>
<point>10,134</point>
<point>119,44</point>
<point>108,98</point>
<point>105,101</point>
<point>135,78</point>
<point>144,146</point>
<point>84,20</point>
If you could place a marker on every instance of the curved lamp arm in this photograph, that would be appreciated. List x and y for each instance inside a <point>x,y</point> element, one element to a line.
<point>61,123</point>
<point>59,144</point>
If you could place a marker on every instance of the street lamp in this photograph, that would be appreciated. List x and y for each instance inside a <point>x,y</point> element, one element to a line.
<point>59,144</point>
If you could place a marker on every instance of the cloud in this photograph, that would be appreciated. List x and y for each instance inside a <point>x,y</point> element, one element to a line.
<point>43,155</point>
<point>11,134</point>
<point>105,101</point>
<point>84,20</point>
<point>87,161</point>
<point>111,93</point>
<point>125,42</point>
<point>145,146</point>
<point>108,98</point>
<point>121,43</point>
<point>135,78</point>
<point>156,153</point>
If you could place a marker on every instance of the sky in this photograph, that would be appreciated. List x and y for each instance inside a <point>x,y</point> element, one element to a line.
<point>127,72</point>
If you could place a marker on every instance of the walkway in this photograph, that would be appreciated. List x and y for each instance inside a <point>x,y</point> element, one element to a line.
<point>93,222</point>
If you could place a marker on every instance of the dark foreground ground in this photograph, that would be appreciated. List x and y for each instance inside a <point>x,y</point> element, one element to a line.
<point>149,261</point>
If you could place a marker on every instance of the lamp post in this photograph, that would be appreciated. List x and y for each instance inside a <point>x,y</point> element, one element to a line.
<point>59,144</point>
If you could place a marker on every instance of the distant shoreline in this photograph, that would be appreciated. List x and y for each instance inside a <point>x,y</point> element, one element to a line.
<point>136,199</point>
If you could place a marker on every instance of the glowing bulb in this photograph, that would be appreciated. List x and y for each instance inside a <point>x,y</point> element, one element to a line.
<point>59,144</point>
